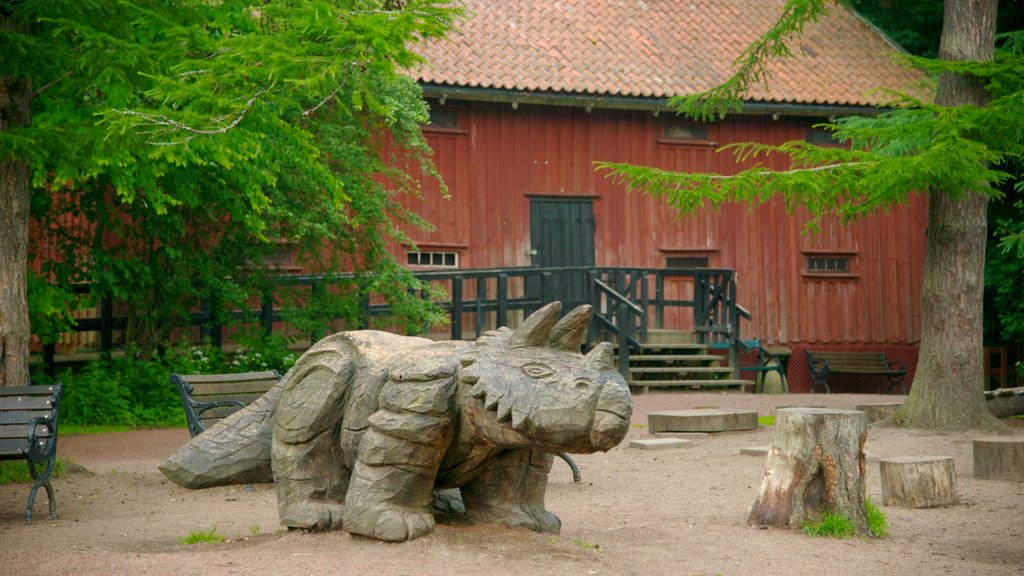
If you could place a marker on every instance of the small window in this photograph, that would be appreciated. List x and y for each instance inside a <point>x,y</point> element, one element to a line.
<point>828,264</point>
<point>445,118</point>
<point>680,130</point>
<point>821,137</point>
<point>434,259</point>
<point>687,262</point>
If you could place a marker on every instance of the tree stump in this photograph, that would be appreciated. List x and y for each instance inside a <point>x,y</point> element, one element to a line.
<point>999,458</point>
<point>815,465</point>
<point>918,482</point>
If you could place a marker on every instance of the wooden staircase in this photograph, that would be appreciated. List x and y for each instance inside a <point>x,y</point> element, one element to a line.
<point>670,359</point>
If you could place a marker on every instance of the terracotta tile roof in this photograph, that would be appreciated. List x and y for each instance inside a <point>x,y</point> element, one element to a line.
<point>658,49</point>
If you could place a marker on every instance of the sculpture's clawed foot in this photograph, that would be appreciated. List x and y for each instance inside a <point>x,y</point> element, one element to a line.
<point>317,516</point>
<point>394,524</point>
<point>534,517</point>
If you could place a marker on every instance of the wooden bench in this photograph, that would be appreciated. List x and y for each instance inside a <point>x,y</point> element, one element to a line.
<point>823,364</point>
<point>28,431</point>
<point>210,397</point>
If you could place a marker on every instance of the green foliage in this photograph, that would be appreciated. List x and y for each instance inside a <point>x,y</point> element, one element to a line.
<point>125,391</point>
<point>16,471</point>
<point>878,526</point>
<point>835,525</point>
<point>177,149</point>
<point>766,420</point>
<point>256,353</point>
<point>832,525</point>
<point>199,536</point>
<point>131,392</point>
<point>1004,267</point>
<point>914,25</point>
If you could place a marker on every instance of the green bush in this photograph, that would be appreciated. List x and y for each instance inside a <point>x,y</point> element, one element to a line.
<point>126,391</point>
<point>129,391</point>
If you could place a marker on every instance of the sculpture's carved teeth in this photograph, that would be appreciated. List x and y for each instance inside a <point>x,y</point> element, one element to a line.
<point>478,390</point>
<point>491,402</point>
<point>504,412</point>
<point>519,420</point>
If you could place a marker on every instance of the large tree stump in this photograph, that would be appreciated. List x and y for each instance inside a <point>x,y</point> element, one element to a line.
<point>999,458</point>
<point>815,465</point>
<point>918,482</point>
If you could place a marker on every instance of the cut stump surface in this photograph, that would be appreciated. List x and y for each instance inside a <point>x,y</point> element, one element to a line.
<point>918,482</point>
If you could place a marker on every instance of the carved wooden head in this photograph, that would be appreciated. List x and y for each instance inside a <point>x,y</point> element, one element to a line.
<point>532,388</point>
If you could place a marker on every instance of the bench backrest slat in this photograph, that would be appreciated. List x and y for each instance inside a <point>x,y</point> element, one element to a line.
<point>231,388</point>
<point>839,361</point>
<point>18,403</point>
<point>21,431</point>
<point>22,416</point>
<point>198,391</point>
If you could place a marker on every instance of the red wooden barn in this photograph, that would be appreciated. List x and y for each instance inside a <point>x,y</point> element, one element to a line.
<point>531,93</point>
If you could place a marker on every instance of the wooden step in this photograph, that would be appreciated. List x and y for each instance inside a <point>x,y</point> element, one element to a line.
<point>666,336</point>
<point>690,384</point>
<point>680,370</point>
<point>676,358</point>
<point>695,347</point>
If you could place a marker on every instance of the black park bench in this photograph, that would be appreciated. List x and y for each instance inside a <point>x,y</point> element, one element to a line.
<point>28,431</point>
<point>823,364</point>
<point>210,397</point>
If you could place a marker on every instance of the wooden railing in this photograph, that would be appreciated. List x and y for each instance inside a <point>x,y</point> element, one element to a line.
<point>625,305</point>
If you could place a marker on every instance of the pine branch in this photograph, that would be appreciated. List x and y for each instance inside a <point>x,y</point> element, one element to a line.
<point>166,121</point>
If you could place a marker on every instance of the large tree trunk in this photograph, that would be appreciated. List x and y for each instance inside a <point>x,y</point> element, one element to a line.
<point>15,98</point>
<point>948,387</point>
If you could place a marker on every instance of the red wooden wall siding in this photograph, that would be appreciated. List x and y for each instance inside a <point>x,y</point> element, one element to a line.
<point>499,157</point>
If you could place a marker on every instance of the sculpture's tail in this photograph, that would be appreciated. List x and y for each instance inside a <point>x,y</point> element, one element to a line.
<point>235,450</point>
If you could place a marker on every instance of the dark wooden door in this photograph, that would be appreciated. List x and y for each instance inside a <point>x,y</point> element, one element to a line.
<point>562,235</point>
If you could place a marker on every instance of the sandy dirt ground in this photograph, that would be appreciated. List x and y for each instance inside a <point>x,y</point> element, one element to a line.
<point>677,511</point>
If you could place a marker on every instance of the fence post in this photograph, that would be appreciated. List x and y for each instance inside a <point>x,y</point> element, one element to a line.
<point>314,334</point>
<point>106,327</point>
<point>659,299</point>
<point>49,351</point>
<point>267,313</point>
<point>457,308</point>
<point>502,297</point>
<point>481,297</point>
<point>625,322</point>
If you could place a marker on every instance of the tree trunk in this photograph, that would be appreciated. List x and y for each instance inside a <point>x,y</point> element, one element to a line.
<point>948,386</point>
<point>15,99</point>
<point>815,465</point>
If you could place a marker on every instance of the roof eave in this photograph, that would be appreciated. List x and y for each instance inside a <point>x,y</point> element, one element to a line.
<point>618,102</point>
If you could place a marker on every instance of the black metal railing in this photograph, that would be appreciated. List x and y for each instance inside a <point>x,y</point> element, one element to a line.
<point>625,302</point>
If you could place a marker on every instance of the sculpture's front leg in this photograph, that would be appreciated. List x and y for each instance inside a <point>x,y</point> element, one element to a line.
<point>511,491</point>
<point>390,493</point>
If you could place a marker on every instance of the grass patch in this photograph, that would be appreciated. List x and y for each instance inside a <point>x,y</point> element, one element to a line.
<point>834,525</point>
<point>877,524</point>
<point>587,545</point>
<point>199,536</point>
<point>16,471</point>
<point>766,420</point>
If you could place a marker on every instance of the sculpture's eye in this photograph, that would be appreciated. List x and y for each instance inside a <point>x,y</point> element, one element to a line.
<point>537,370</point>
<point>583,384</point>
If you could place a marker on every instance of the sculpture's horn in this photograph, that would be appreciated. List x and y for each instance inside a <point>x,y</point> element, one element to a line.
<point>536,328</point>
<point>600,357</point>
<point>569,333</point>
